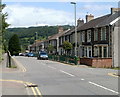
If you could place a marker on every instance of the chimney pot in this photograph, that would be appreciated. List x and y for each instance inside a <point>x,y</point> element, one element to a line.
<point>80,22</point>
<point>114,10</point>
<point>60,29</point>
<point>89,17</point>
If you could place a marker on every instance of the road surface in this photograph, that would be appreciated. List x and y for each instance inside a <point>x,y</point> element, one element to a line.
<point>54,78</point>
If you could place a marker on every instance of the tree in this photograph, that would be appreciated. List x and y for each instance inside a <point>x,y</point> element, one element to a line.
<point>67,46</point>
<point>14,45</point>
<point>3,17</point>
<point>3,26</point>
<point>50,48</point>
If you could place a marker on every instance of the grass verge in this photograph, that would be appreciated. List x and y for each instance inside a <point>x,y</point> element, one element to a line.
<point>13,66</point>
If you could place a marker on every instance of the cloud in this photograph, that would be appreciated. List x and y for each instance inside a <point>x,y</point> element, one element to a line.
<point>61,0</point>
<point>25,16</point>
<point>96,9</point>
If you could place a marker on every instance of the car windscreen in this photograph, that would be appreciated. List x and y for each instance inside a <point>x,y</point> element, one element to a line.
<point>30,53</point>
<point>43,54</point>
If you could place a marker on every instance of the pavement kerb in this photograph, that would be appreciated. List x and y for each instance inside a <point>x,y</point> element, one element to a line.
<point>70,64</point>
<point>113,74</point>
<point>35,90</point>
<point>19,65</point>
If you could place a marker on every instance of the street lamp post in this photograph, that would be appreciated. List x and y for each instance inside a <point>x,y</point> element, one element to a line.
<point>75,28</point>
<point>36,42</point>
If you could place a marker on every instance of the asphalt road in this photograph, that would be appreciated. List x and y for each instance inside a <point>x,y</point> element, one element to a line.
<point>54,78</point>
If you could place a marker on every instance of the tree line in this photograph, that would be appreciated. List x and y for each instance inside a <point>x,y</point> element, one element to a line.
<point>28,35</point>
<point>17,39</point>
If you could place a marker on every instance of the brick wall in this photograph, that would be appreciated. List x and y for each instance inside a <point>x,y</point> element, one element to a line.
<point>86,61</point>
<point>97,62</point>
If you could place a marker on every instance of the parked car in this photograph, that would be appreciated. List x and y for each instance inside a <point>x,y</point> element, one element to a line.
<point>30,54</point>
<point>42,55</point>
<point>21,54</point>
<point>25,54</point>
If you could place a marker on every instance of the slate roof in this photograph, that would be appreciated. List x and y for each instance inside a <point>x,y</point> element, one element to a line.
<point>109,19</point>
<point>93,23</point>
<point>99,22</point>
<point>57,35</point>
<point>70,31</point>
<point>118,24</point>
<point>38,43</point>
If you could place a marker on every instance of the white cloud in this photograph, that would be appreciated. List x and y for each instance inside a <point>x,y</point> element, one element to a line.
<point>95,9</point>
<point>21,16</point>
<point>25,16</point>
<point>61,0</point>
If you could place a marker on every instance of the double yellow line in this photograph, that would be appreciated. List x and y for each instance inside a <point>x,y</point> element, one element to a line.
<point>23,69</point>
<point>35,90</point>
<point>113,74</point>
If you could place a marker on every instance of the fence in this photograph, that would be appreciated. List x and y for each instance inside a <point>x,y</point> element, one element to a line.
<point>66,59</point>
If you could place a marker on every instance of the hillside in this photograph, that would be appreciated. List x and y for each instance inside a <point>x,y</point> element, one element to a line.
<point>28,35</point>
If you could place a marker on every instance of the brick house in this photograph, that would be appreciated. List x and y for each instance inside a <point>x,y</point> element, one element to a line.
<point>96,39</point>
<point>37,46</point>
<point>69,36</point>
<point>54,40</point>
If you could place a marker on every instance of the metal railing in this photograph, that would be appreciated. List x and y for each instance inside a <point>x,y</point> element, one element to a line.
<point>63,58</point>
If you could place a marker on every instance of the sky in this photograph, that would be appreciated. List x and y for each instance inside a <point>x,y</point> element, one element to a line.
<point>40,13</point>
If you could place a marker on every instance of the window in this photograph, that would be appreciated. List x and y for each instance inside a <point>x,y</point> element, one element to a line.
<point>88,35</point>
<point>103,33</point>
<point>65,38</point>
<point>71,38</point>
<point>82,51</point>
<point>100,51</point>
<point>89,52</point>
<point>96,35</point>
<point>96,51</point>
<point>85,51</point>
<point>83,36</point>
<point>105,52</point>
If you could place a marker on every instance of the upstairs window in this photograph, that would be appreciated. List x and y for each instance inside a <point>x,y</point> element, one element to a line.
<point>103,33</point>
<point>89,36</point>
<point>83,36</point>
<point>96,35</point>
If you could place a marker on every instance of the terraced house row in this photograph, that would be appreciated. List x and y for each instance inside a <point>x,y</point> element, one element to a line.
<point>98,40</point>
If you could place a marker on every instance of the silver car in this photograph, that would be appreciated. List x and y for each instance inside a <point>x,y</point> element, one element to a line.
<point>42,55</point>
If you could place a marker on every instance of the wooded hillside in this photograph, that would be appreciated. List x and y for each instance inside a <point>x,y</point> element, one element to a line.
<point>28,35</point>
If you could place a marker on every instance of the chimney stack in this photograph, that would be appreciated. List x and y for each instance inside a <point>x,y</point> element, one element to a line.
<point>114,10</point>
<point>89,17</point>
<point>60,29</point>
<point>80,22</point>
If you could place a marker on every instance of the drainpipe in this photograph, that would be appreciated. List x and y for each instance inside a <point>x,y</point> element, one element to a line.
<point>109,42</point>
<point>112,29</point>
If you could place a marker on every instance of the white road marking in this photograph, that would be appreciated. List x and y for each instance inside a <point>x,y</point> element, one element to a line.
<point>67,73</point>
<point>103,87</point>
<point>90,68</point>
<point>82,79</point>
<point>51,67</point>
